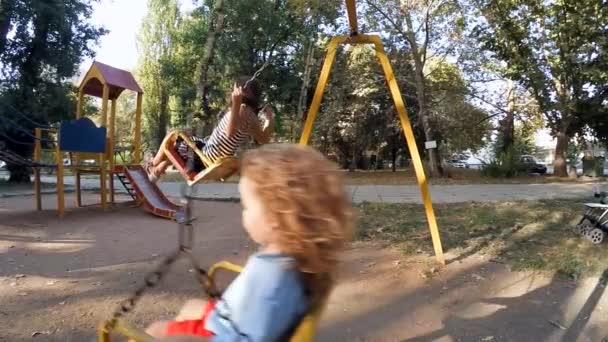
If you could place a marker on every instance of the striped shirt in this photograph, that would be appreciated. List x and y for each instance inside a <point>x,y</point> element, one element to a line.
<point>219,145</point>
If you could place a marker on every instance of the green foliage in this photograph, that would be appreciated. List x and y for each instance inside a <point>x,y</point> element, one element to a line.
<point>506,164</point>
<point>460,125</point>
<point>173,45</point>
<point>524,140</point>
<point>156,68</point>
<point>557,50</point>
<point>41,46</point>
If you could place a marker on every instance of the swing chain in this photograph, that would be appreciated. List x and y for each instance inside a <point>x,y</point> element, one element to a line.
<point>186,241</point>
<point>152,279</point>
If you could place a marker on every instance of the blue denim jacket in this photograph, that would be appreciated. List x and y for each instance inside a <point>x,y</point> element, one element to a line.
<point>263,303</point>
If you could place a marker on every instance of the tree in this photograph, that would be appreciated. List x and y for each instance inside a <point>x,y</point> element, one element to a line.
<point>430,29</point>
<point>557,51</point>
<point>460,125</point>
<point>216,25</point>
<point>276,33</point>
<point>41,46</point>
<point>155,68</point>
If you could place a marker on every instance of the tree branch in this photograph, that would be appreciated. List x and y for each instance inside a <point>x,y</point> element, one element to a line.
<point>426,34</point>
<point>390,20</point>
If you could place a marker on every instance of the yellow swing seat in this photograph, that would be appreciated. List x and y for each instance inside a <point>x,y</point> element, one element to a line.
<point>305,332</point>
<point>220,170</point>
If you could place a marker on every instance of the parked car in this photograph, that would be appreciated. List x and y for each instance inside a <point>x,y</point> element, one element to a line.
<point>458,163</point>
<point>534,166</point>
<point>2,165</point>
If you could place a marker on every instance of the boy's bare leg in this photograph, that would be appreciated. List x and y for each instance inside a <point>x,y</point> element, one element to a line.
<point>159,157</point>
<point>157,329</point>
<point>192,309</point>
<point>159,170</point>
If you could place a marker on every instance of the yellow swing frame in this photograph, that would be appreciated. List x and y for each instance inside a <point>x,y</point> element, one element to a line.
<point>305,332</point>
<point>356,38</point>
<point>222,169</point>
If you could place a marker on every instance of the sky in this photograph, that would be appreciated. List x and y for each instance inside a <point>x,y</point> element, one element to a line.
<point>122,18</point>
<point>119,47</point>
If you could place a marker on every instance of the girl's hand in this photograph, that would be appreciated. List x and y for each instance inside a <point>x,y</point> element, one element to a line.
<point>237,94</point>
<point>268,113</point>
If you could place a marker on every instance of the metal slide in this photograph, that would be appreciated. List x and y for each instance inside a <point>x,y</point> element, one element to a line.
<point>135,180</point>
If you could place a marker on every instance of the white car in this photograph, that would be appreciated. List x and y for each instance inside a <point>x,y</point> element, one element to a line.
<point>2,165</point>
<point>458,163</point>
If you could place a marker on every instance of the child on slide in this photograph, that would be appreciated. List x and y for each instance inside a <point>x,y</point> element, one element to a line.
<point>237,127</point>
<point>295,207</point>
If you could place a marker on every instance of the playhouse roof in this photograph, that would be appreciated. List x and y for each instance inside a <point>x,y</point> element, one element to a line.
<point>117,79</point>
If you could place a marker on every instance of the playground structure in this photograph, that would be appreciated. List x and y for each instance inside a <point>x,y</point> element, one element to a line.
<point>108,83</point>
<point>306,330</point>
<point>356,38</point>
<point>85,141</point>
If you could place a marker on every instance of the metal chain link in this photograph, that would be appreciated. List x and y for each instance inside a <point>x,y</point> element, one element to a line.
<point>152,279</point>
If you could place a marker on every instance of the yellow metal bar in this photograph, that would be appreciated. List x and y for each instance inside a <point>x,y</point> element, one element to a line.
<point>104,106</point>
<point>351,8</point>
<point>122,328</point>
<point>102,180</point>
<point>37,152</point>
<point>110,152</point>
<point>224,265</point>
<point>102,159</point>
<point>316,100</point>
<point>411,143</point>
<point>137,133</point>
<point>403,117</point>
<point>79,104</point>
<point>60,194</point>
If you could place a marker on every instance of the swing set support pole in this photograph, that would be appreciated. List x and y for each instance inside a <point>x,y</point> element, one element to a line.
<point>399,105</point>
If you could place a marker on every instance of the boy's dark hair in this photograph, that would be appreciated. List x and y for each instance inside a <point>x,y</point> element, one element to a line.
<point>252,91</point>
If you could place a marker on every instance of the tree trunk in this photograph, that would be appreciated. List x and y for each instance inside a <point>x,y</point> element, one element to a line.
<point>202,87</point>
<point>353,161</point>
<point>394,158</point>
<point>421,94</point>
<point>163,115</point>
<point>560,167</point>
<point>508,124</point>
<point>302,100</point>
<point>434,161</point>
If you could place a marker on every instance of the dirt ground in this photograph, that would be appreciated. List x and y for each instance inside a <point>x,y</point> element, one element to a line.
<point>60,278</point>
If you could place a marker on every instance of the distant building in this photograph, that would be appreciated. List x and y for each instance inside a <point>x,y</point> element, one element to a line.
<point>546,149</point>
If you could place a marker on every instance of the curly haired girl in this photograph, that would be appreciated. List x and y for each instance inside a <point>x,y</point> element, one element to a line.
<point>295,207</point>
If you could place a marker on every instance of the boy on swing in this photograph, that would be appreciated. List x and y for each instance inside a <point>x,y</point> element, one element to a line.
<point>296,208</point>
<point>236,128</point>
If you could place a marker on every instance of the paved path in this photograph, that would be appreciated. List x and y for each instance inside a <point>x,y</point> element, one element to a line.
<point>388,193</point>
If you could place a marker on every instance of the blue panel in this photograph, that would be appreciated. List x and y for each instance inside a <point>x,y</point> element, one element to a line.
<point>82,136</point>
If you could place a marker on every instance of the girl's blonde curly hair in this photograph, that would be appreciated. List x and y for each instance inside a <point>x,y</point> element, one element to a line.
<point>304,193</point>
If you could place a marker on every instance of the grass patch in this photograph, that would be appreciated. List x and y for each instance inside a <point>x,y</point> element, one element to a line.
<point>526,235</point>
<point>407,177</point>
